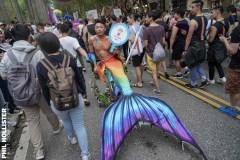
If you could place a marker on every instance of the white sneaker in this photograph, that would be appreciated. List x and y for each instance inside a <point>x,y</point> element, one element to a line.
<point>221,80</point>
<point>40,154</point>
<point>86,157</point>
<point>73,140</point>
<point>212,81</point>
<point>59,128</point>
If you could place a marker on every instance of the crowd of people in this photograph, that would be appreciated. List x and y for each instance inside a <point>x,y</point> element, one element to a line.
<point>183,37</point>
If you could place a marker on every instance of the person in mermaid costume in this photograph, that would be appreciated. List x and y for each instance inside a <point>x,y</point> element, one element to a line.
<point>121,116</point>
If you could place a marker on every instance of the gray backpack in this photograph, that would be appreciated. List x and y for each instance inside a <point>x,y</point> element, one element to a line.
<point>22,80</point>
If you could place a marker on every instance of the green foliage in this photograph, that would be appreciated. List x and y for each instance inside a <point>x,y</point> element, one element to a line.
<point>82,6</point>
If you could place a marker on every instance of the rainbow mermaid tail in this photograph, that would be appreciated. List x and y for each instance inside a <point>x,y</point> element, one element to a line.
<point>121,116</point>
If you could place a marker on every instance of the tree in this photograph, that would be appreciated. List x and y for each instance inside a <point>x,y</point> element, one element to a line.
<point>17,10</point>
<point>4,12</point>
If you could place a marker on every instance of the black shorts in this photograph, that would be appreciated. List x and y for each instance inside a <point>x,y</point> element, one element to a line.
<point>177,54</point>
<point>137,59</point>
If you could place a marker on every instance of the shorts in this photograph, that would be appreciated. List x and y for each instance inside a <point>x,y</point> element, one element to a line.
<point>177,54</point>
<point>151,64</point>
<point>137,60</point>
<point>233,82</point>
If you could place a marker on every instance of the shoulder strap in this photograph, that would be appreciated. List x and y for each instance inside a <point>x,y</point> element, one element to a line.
<point>66,61</point>
<point>48,65</point>
<point>12,57</point>
<point>153,35</point>
<point>134,30</point>
<point>29,56</point>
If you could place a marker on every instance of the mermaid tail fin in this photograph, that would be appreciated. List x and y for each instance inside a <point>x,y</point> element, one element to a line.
<point>123,115</point>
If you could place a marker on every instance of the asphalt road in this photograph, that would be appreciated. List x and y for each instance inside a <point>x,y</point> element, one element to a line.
<point>216,133</point>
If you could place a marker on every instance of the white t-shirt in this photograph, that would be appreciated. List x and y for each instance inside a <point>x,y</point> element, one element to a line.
<point>210,23</point>
<point>55,31</point>
<point>80,26</point>
<point>71,45</point>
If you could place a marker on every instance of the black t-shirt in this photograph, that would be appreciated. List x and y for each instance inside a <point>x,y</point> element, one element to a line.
<point>180,38</point>
<point>164,24</point>
<point>235,59</point>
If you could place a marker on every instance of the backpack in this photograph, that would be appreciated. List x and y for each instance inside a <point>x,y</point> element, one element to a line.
<point>138,49</point>
<point>62,84</point>
<point>159,52</point>
<point>22,80</point>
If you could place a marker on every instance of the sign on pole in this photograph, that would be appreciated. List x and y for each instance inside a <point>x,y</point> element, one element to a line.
<point>117,12</point>
<point>93,13</point>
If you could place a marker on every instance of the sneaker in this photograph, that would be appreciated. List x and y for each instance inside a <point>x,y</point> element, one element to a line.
<point>167,75</point>
<point>212,81</point>
<point>40,154</point>
<point>177,76</point>
<point>189,85</point>
<point>203,84</point>
<point>59,128</point>
<point>73,140</point>
<point>84,69</point>
<point>186,73</point>
<point>221,80</point>
<point>86,157</point>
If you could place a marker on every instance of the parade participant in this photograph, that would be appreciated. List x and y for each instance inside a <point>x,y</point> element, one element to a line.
<point>121,116</point>
<point>153,34</point>
<point>89,30</point>
<point>136,59</point>
<point>177,41</point>
<point>217,52</point>
<point>233,19</point>
<point>73,119</point>
<point>72,46</point>
<point>195,49</point>
<point>233,79</point>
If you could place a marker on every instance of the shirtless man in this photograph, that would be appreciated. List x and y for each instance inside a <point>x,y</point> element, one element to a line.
<point>100,45</point>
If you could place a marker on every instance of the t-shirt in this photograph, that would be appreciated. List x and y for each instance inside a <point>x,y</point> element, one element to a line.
<point>235,59</point>
<point>137,28</point>
<point>164,24</point>
<point>71,45</point>
<point>210,23</point>
<point>80,26</point>
<point>153,34</point>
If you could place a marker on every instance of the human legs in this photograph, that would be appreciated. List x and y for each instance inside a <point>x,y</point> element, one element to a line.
<point>193,75</point>
<point>7,96</point>
<point>33,118</point>
<point>211,70</point>
<point>220,70</point>
<point>77,118</point>
<point>86,101</point>
<point>201,73</point>
<point>46,109</point>
<point>232,87</point>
